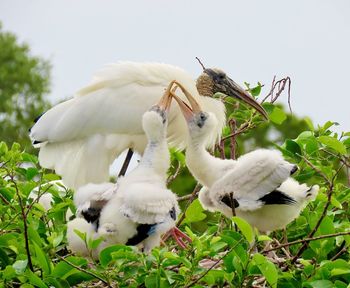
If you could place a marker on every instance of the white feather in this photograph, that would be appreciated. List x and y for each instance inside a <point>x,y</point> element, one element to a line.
<point>104,119</point>
<point>248,179</point>
<point>141,197</point>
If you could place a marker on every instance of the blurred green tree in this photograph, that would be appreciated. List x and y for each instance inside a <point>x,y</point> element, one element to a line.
<point>24,80</point>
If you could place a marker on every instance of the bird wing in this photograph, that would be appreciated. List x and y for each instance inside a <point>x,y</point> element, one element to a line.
<point>105,106</point>
<point>256,174</point>
<point>81,137</point>
<point>94,196</point>
<point>147,204</point>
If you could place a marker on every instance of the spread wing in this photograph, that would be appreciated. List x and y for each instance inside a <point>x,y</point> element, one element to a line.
<point>93,197</point>
<point>81,137</point>
<point>255,175</point>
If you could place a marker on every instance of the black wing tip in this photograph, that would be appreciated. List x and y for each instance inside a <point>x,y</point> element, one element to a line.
<point>142,234</point>
<point>228,202</point>
<point>277,197</point>
<point>91,214</point>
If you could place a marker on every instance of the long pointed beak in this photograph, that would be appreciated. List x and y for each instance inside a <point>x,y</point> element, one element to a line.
<point>194,104</point>
<point>185,109</point>
<point>234,90</point>
<point>165,102</point>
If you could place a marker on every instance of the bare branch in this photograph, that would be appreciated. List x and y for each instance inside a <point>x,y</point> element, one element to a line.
<point>214,264</point>
<point>85,271</point>
<point>200,62</point>
<point>309,239</point>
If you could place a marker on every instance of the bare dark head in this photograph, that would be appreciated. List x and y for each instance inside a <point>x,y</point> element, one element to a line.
<point>215,80</point>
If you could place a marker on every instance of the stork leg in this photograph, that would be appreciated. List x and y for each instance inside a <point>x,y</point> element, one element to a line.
<point>178,235</point>
<point>126,163</point>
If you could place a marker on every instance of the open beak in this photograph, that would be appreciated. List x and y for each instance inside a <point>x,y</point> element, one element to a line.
<point>165,102</point>
<point>234,90</point>
<point>187,111</point>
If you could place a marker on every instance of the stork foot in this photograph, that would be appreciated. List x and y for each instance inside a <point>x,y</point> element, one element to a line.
<point>178,236</point>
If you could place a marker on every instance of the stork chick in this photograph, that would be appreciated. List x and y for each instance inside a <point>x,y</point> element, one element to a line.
<point>142,208</point>
<point>255,187</point>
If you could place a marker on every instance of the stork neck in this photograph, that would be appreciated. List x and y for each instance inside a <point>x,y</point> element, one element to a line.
<point>203,166</point>
<point>156,157</point>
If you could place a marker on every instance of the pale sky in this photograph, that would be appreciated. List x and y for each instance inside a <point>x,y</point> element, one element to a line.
<point>251,40</point>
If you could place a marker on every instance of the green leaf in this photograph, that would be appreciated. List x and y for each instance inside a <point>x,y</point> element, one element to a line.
<point>42,259</point>
<point>194,213</point>
<point>106,254</point>
<point>320,284</point>
<point>309,123</point>
<point>267,269</point>
<point>35,280</point>
<point>333,143</point>
<point>277,116</point>
<point>245,228</point>
<point>293,147</point>
<point>31,173</point>
<point>20,266</point>
<point>256,90</point>
<point>9,273</point>
<point>152,281</point>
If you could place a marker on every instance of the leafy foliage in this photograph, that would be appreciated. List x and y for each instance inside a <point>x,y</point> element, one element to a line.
<point>24,80</point>
<point>315,252</point>
<point>35,207</point>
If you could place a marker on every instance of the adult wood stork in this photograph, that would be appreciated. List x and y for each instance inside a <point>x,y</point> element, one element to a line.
<point>256,187</point>
<point>81,137</point>
<point>142,208</point>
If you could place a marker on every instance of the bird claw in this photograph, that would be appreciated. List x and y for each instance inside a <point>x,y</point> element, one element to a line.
<point>178,235</point>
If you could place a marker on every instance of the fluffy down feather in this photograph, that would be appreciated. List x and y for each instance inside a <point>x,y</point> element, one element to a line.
<point>142,208</point>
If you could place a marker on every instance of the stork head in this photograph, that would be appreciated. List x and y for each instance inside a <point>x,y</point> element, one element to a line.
<point>201,124</point>
<point>215,80</point>
<point>155,120</point>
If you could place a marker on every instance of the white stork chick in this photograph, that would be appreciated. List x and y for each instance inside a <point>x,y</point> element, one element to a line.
<point>142,208</point>
<point>104,118</point>
<point>255,187</point>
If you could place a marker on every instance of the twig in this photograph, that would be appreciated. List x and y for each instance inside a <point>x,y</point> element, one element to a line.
<point>126,163</point>
<point>232,124</point>
<point>316,169</point>
<point>279,85</point>
<point>307,240</point>
<point>5,200</point>
<point>200,62</point>
<point>84,271</point>
<point>324,213</point>
<point>177,171</point>
<point>183,198</point>
<point>245,126</point>
<point>25,225</point>
<point>191,198</point>
<point>214,264</point>
<point>343,249</point>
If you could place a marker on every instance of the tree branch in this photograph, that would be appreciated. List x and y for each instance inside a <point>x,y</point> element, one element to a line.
<point>307,240</point>
<point>84,271</point>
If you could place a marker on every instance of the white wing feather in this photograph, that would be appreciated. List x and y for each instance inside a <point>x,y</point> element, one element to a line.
<point>81,137</point>
<point>255,174</point>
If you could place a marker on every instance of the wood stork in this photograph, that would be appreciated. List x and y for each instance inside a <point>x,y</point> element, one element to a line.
<point>81,137</point>
<point>141,208</point>
<point>256,187</point>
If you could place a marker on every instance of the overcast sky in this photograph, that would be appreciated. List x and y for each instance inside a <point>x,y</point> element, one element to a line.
<point>251,40</point>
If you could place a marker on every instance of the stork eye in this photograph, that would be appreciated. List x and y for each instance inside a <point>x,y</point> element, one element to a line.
<point>221,76</point>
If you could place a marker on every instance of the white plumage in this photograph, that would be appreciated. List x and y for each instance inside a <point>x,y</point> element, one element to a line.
<point>256,187</point>
<point>141,208</point>
<point>81,137</point>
